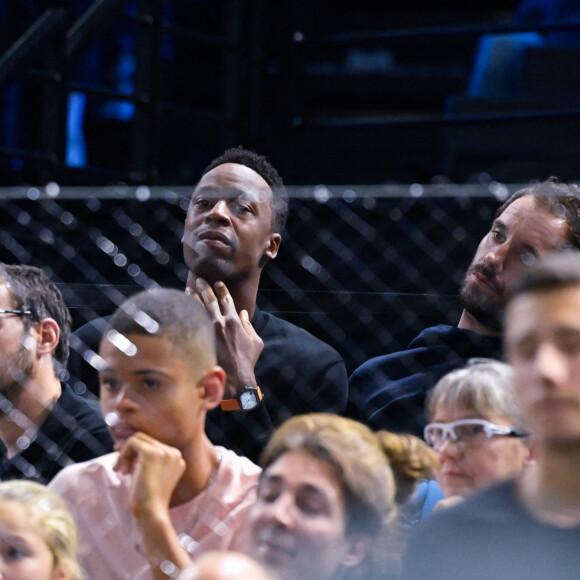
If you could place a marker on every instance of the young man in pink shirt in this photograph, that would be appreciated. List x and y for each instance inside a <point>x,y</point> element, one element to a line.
<point>167,493</point>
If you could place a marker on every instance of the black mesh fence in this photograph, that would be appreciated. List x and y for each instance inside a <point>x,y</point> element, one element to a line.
<point>362,268</point>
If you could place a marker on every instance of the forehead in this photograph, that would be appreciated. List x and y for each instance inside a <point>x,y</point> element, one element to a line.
<point>301,469</point>
<point>447,413</point>
<point>5,295</point>
<point>534,222</point>
<point>136,351</point>
<point>12,516</point>
<point>541,312</point>
<point>236,180</point>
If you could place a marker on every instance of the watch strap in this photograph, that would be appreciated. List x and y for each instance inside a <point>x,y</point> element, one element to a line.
<point>234,404</point>
<point>230,405</point>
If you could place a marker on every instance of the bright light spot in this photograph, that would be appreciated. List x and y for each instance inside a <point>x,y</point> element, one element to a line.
<point>143,319</point>
<point>121,342</point>
<point>52,189</point>
<point>416,190</point>
<point>143,193</point>
<point>112,418</point>
<point>321,194</point>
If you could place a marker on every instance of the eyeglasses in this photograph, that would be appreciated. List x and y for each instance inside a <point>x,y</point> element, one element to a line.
<point>467,432</point>
<point>20,312</point>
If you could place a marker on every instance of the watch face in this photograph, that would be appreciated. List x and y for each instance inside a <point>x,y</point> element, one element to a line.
<point>249,400</point>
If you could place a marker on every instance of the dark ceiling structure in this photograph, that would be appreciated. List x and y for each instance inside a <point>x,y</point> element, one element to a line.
<point>97,92</point>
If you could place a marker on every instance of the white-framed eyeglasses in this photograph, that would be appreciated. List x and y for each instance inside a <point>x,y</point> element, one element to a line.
<point>467,432</point>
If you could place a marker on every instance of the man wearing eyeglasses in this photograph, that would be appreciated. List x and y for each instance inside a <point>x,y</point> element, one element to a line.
<point>44,425</point>
<point>528,527</point>
<point>389,391</point>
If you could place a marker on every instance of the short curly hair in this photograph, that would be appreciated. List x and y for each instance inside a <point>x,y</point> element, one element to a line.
<point>483,386</point>
<point>266,170</point>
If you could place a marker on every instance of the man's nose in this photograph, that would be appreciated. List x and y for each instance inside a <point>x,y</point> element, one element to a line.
<point>497,256</point>
<point>219,212</point>
<point>123,400</point>
<point>551,364</point>
<point>281,511</point>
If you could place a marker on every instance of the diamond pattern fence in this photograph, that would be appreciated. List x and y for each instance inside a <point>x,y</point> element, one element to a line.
<point>363,268</point>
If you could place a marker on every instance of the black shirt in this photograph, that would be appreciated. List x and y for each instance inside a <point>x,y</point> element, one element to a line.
<point>73,431</point>
<point>389,391</point>
<point>296,372</point>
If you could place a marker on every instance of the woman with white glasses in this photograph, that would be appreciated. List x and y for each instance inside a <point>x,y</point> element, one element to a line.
<point>475,429</point>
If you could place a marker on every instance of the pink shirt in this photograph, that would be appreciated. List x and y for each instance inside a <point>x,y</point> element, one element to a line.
<point>109,540</point>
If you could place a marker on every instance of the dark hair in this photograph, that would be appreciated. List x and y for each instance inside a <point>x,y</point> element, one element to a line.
<point>171,313</point>
<point>264,168</point>
<point>559,198</point>
<point>31,289</point>
<point>554,271</point>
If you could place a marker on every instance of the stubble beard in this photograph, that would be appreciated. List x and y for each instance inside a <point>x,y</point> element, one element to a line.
<point>485,311</point>
<point>212,268</point>
<point>19,371</point>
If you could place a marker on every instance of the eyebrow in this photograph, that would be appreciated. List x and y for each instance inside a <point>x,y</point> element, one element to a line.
<point>252,196</point>
<point>234,191</point>
<point>266,478</point>
<point>13,538</point>
<point>138,372</point>
<point>497,223</point>
<point>566,331</point>
<point>303,487</point>
<point>150,372</point>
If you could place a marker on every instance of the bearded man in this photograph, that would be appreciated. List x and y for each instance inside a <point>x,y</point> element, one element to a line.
<point>44,424</point>
<point>389,391</point>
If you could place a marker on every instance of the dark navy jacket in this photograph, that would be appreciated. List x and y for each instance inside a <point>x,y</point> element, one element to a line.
<point>389,391</point>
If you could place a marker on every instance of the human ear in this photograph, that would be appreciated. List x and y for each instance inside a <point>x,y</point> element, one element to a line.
<point>531,452</point>
<point>212,385</point>
<point>272,246</point>
<point>356,550</point>
<point>47,336</point>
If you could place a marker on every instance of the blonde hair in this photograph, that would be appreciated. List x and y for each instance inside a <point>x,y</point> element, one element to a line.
<point>357,456</point>
<point>484,386</point>
<point>48,515</point>
<point>411,460</point>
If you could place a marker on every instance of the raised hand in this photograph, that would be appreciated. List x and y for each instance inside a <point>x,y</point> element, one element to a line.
<point>238,345</point>
<point>156,469</point>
